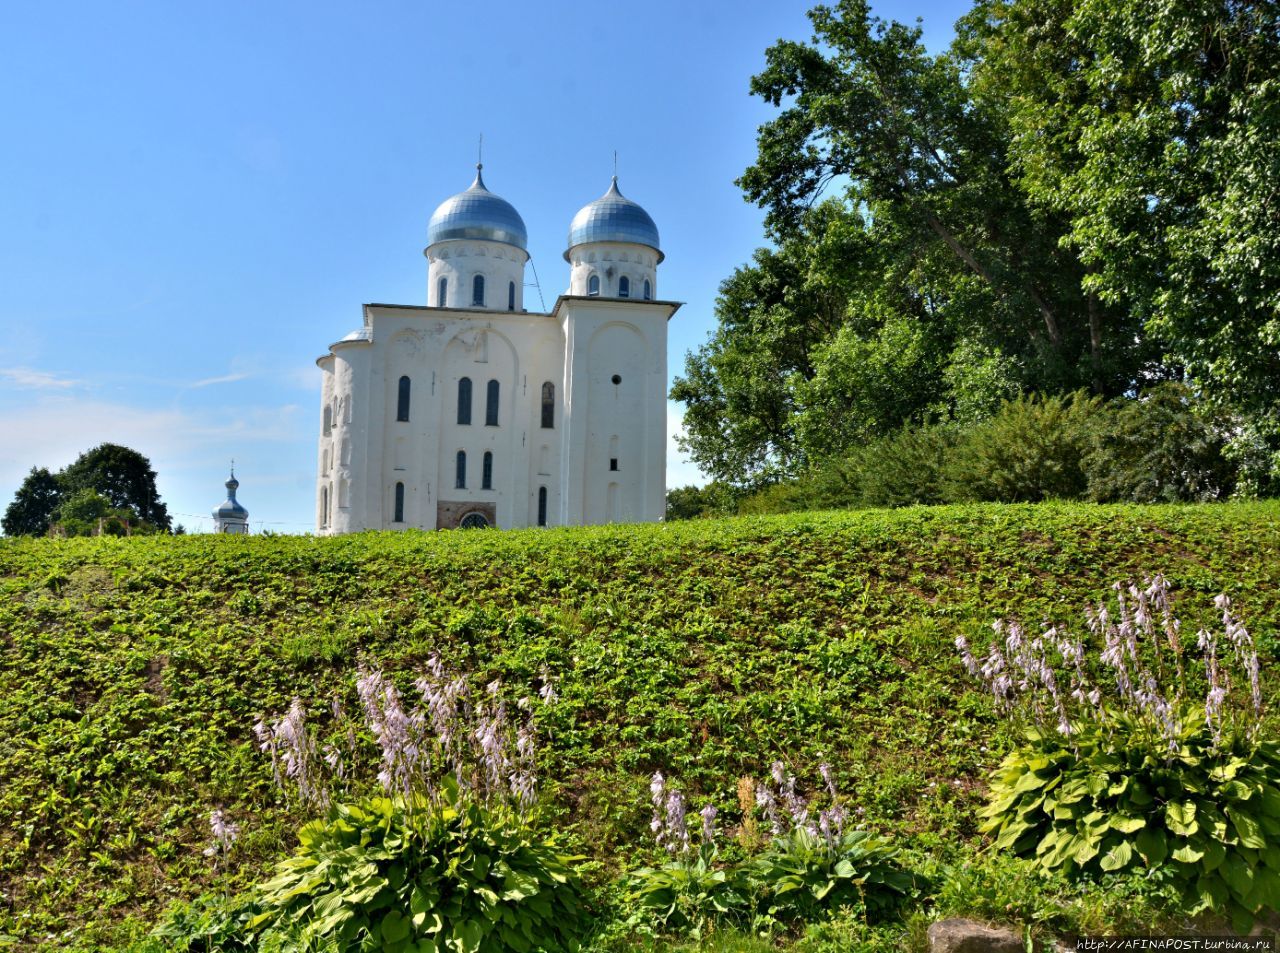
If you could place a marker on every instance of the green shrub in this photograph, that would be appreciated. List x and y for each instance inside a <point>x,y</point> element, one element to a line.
<point>999,887</point>
<point>208,924</point>
<point>374,876</point>
<point>1160,448</point>
<point>1113,798</point>
<point>803,877</point>
<point>1122,770</point>
<point>689,894</point>
<point>903,468</point>
<point>1028,452</point>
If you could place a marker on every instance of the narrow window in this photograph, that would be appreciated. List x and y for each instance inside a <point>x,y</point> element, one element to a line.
<point>402,400</point>
<point>486,472</point>
<point>648,290</point>
<point>328,420</point>
<point>624,287</point>
<point>593,285</point>
<point>399,517</point>
<point>548,405</point>
<point>511,296</point>
<point>542,506</point>
<point>324,506</point>
<point>477,291</point>
<point>460,482</point>
<point>613,463</point>
<point>442,292</point>
<point>491,405</point>
<point>464,401</point>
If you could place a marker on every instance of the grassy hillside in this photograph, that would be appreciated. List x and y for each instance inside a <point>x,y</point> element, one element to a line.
<point>131,671</point>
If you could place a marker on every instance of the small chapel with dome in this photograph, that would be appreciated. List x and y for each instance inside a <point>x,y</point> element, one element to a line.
<point>472,411</point>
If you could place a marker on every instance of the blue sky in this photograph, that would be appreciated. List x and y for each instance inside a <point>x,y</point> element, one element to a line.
<point>197,199</point>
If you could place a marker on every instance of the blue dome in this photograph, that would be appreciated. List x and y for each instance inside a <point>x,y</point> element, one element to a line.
<point>231,508</point>
<point>613,218</point>
<point>477,214</point>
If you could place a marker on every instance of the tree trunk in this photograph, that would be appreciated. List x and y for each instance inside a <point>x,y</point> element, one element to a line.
<point>1095,343</point>
<point>1050,321</point>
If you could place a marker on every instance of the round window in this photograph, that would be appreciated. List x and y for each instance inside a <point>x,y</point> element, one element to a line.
<point>617,379</point>
<point>474,521</point>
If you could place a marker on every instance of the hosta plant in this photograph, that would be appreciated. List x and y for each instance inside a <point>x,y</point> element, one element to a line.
<point>803,876</point>
<point>1114,799</point>
<point>811,868</point>
<point>688,894</point>
<point>1123,768</point>
<point>457,876</point>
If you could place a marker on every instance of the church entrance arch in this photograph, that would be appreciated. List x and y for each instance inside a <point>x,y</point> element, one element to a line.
<point>465,514</point>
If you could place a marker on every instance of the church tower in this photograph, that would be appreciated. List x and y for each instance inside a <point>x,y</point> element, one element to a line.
<point>615,366</point>
<point>231,517</point>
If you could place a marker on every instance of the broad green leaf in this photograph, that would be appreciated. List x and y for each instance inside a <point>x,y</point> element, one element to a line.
<point>1116,856</point>
<point>1127,824</point>
<point>1239,877</point>
<point>1181,817</point>
<point>1152,846</point>
<point>395,927</point>
<point>1247,828</point>
<point>467,935</point>
<point>1186,853</point>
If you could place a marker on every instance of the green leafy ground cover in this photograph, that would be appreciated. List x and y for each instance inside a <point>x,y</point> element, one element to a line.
<point>132,670</point>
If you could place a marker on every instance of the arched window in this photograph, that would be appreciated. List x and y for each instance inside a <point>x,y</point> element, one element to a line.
<point>624,287</point>
<point>399,516</point>
<point>477,291</point>
<point>328,420</point>
<point>593,285</point>
<point>648,290</point>
<point>511,296</point>
<point>486,472</point>
<point>402,400</point>
<point>464,401</point>
<point>542,506</point>
<point>548,405</point>
<point>442,292</point>
<point>460,480</point>
<point>491,405</point>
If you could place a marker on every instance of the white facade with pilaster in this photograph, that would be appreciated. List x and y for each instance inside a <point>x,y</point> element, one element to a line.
<point>471,410</point>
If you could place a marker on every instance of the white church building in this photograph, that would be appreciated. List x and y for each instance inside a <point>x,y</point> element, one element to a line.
<point>472,411</point>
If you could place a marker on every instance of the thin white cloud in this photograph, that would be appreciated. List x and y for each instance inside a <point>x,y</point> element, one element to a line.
<point>303,377</point>
<point>30,377</point>
<point>54,430</point>
<point>224,379</point>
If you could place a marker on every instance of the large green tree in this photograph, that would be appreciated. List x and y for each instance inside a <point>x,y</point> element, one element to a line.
<point>121,476</point>
<point>1152,127</point>
<point>1078,194</point>
<point>33,506</point>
